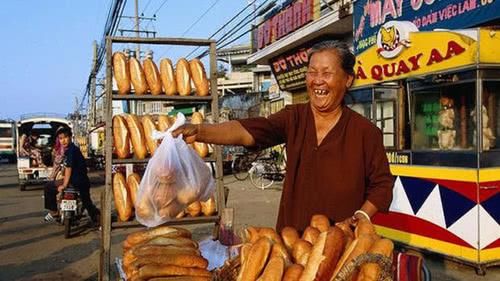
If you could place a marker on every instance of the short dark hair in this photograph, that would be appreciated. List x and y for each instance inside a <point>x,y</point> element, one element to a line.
<point>347,58</point>
<point>64,130</point>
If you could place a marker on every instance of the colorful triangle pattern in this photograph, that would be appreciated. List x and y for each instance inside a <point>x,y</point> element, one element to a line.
<point>476,224</point>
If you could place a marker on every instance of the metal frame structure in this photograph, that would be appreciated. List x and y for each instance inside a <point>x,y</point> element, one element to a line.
<point>106,206</point>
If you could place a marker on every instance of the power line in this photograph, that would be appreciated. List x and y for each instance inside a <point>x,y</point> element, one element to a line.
<point>222,27</point>
<point>164,1</point>
<point>145,7</point>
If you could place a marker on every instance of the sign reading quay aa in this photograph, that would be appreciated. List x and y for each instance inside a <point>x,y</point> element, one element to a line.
<point>370,15</point>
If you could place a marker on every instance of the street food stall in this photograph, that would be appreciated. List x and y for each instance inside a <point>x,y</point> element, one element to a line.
<point>424,89</point>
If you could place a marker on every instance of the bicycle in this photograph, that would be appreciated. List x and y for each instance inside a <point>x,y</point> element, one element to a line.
<point>265,171</point>
<point>242,163</point>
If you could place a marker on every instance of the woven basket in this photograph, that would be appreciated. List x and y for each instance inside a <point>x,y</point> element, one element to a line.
<point>231,268</point>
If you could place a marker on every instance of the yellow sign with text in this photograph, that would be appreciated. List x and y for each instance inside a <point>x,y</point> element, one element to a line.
<point>424,53</point>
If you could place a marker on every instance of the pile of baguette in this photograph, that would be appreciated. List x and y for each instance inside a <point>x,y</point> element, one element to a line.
<point>163,253</point>
<point>319,254</point>
<point>125,194</point>
<point>134,133</point>
<point>148,79</point>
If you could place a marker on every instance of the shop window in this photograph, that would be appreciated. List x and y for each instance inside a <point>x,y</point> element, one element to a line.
<point>385,112</point>
<point>441,115</point>
<point>360,101</point>
<point>490,110</point>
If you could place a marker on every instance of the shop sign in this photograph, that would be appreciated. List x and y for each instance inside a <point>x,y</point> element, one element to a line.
<point>290,69</point>
<point>416,55</point>
<point>289,19</point>
<point>395,157</point>
<point>370,15</point>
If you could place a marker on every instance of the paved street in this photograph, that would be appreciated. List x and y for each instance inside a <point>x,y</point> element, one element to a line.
<point>33,250</point>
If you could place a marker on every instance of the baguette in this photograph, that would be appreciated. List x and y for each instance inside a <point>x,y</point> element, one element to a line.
<point>133,182</point>
<point>279,250</point>
<point>371,271</point>
<point>244,252</point>
<point>121,73</point>
<point>311,234</point>
<point>358,247</point>
<point>200,147</point>
<point>183,77</point>
<point>167,76</point>
<point>348,233</point>
<point>136,135</point>
<point>147,234</point>
<point>321,222</point>
<point>121,137</point>
<point>194,209</point>
<point>172,241</point>
<point>300,251</point>
<point>293,272</point>
<point>199,77</point>
<point>137,77</point>
<point>149,126</point>
<point>122,198</point>
<point>324,256</point>
<point>208,207</point>
<point>178,260</point>
<point>145,250</point>
<point>256,260</point>
<point>271,234</point>
<point>152,76</point>
<point>289,236</point>
<point>274,269</point>
<point>151,270</point>
<point>164,122</point>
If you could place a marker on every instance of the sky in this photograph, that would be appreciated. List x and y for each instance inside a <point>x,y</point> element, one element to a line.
<point>47,45</point>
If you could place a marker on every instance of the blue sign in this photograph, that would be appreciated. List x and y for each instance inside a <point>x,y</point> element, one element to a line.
<point>369,15</point>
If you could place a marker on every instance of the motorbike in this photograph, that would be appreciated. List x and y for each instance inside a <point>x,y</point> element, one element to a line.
<point>71,210</point>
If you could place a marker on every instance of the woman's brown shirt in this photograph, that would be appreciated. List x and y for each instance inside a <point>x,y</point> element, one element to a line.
<point>334,178</point>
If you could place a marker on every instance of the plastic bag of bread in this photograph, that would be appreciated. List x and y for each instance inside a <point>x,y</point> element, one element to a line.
<point>174,178</point>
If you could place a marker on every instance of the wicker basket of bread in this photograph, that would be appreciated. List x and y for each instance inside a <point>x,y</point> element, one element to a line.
<point>322,252</point>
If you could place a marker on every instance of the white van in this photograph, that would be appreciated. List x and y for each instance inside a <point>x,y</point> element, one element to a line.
<point>45,126</point>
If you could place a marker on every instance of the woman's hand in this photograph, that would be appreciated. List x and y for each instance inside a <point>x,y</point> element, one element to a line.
<point>188,131</point>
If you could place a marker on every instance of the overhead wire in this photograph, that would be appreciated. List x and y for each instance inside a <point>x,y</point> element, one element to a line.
<point>223,26</point>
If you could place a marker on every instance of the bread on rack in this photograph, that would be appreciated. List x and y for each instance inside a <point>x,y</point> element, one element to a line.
<point>137,77</point>
<point>167,75</point>
<point>200,147</point>
<point>136,135</point>
<point>194,209</point>
<point>149,126</point>
<point>121,137</point>
<point>121,73</point>
<point>122,200</point>
<point>199,77</point>
<point>152,76</point>
<point>183,77</point>
<point>133,182</point>
<point>208,207</point>
<point>165,122</point>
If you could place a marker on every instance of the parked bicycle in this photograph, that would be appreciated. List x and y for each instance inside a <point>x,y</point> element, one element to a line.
<point>242,163</point>
<point>267,170</point>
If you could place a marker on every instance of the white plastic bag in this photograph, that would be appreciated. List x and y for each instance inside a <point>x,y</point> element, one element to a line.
<point>174,178</point>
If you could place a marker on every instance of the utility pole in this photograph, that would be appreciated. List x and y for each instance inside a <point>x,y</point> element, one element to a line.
<point>92,101</point>
<point>137,23</point>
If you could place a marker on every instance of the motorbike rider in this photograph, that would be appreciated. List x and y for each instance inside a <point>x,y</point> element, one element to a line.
<point>75,175</point>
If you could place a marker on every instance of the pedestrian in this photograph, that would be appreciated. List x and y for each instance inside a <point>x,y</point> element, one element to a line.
<point>75,175</point>
<point>336,162</point>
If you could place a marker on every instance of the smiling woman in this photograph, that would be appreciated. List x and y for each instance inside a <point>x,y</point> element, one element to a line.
<point>336,163</point>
